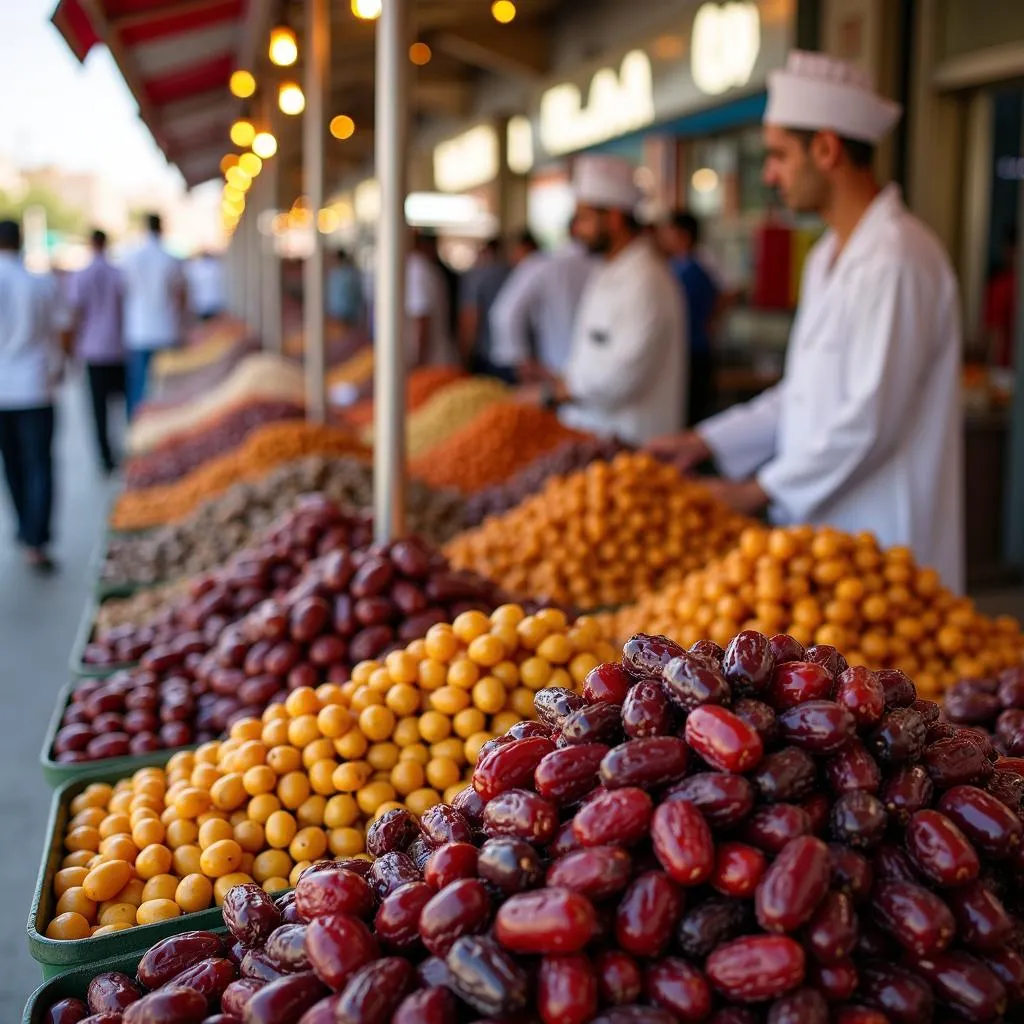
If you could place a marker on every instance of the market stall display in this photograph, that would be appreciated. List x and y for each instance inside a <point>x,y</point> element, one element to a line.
<point>420,385</point>
<point>566,458</point>
<point>356,370</point>
<point>179,455</point>
<point>447,409</point>
<point>261,375</point>
<point>265,449</point>
<point>309,773</point>
<point>994,707</point>
<point>138,609</point>
<point>493,446</point>
<point>589,874</point>
<point>224,525</point>
<point>823,586</point>
<point>601,536</point>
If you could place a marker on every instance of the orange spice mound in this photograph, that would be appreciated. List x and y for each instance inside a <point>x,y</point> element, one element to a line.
<point>264,449</point>
<point>494,446</point>
<point>420,385</point>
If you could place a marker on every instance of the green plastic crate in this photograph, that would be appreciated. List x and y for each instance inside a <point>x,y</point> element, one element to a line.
<point>54,955</point>
<point>82,639</point>
<point>74,983</point>
<point>57,773</point>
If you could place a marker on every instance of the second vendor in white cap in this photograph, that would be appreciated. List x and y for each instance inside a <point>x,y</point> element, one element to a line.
<point>626,373</point>
<point>865,430</point>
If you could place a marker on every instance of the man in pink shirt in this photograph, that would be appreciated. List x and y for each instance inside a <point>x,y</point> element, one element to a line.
<point>96,296</point>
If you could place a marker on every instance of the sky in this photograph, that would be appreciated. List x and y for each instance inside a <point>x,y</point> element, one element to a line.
<point>57,111</point>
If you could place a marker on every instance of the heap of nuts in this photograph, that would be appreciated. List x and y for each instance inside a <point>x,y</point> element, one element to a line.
<point>420,386</point>
<point>823,586</point>
<point>995,707</point>
<point>184,452</point>
<point>492,447</point>
<point>568,457</point>
<point>307,775</point>
<point>761,833</point>
<point>348,606</point>
<point>225,525</point>
<point>270,568</point>
<point>601,536</point>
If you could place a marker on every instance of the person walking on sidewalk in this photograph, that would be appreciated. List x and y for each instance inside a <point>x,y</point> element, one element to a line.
<point>154,305</point>
<point>30,367</point>
<point>95,296</point>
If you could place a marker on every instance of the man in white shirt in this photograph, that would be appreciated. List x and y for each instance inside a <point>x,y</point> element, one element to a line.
<point>154,303</point>
<point>865,430</point>
<point>626,372</point>
<point>532,317</point>
<point>426,308</point>
<point>30,365</point>
<point>206,294</point>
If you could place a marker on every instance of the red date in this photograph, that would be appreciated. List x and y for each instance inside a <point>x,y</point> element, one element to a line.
<point>679,987</point>
<point>284,1001</point>
<point>545,921</point>
<point>510,765</point>
<point>427,1006</point>
<point>724,740</point>
<point>449,863</point>
<point>463,908</point>
<point>568,774</point>
<point>683,843</point>
<point>794,885</point>
<point>208,977</point>
<point>757,967</point>
<point>724,799</point>
<point>172,955</point>
<point>373,993</point>
<point>916,917</point>
<point>940,850</point>
<point>337,946</point>
<point>597,872</point>
<point>619,817</point>
<point>986,821</point>
<point>112,992</point>
<point>522,815</point>
<point>168,1006</point>
<point>332,891</point>
<point>250,914</point>
<point>487,977</point>
<point>645,763</point>
<point>647,914</point>
<point>618,977</point>
<point>566,990</point>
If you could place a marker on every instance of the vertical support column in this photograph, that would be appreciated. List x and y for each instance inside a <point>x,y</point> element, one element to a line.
<point>392,240</point>
<point>270,277</point>
<point>250,247</point>
<point>318,59</point>
<point>1013,529</point>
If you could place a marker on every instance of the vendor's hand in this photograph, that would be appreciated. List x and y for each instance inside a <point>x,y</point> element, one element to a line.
<point>746,496</point>
<point>685,451</point>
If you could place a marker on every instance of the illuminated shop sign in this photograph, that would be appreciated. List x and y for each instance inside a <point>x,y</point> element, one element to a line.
<point>467,161</point>
<point>725,47</point>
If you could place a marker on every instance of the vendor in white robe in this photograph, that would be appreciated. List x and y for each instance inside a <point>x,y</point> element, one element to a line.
<point>865,429</point>
<point>626,372</point>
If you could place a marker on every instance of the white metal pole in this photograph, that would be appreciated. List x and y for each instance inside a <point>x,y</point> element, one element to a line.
<point>318,58</point>
<point>392,240</point>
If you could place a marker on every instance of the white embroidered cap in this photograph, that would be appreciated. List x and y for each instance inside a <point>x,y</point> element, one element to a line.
<point>816,92</point>
<point>607,182</point>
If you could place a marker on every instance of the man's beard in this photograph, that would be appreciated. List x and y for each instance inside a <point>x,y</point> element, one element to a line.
<point>600,244</point>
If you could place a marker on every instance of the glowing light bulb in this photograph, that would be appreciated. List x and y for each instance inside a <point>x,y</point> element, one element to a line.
<point>342,127</point>
<point>242,84</point>
<point>503,11</point>
<point>420,54</point>
<point>242,133</point>
<point>366,9</point>
<point>229,160</point>
<point>237,178</point>
<point>284,50</point>
<point>290,99</point>
<point>264,145</point>
<point>251,164</point>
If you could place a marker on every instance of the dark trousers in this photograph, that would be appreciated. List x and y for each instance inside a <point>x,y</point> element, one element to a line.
<point>137,367</point>
<point>106,382</point>
<point>26,446</point>
<point>702,402</point>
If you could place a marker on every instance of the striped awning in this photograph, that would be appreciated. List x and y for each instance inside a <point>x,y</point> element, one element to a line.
<point>176,57</point>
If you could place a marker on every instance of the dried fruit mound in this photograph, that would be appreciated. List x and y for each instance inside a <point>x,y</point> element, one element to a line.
<point>355,370</point>
<point>492,447</point>
<point>309,773</point>
<point>994,706</point>
<point>446,411</point>
<point>263,449</point>
<point>601,536</point>
<point>181,454</point>
<point>420,385</point>
<point>760,835</point>
<point>822,586</point>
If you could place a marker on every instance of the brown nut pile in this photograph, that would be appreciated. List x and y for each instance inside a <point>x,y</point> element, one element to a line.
<point>822,586</point>
<point>601,536</point>
<point>140,608</point>
<point>229,522</point>
<point>565,459</point>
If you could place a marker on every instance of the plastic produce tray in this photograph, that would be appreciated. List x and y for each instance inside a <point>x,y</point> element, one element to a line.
<point>57,773</point>
<point>54,955</point>
<point>74,983</point>
<point>82,639</point>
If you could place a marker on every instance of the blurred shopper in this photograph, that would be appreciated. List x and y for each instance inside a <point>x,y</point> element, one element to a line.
<point>679,237</point>
<point>95,298</point>
<point>345,291</point>
<point>626,372</point>
<point>523,246</point>
<point>479,288</point>
<point>427,242</point>
<point>865,430</point>
<point>207,289</point>
<point>532,317</point>
<point>1001,305</point>
<point>155,295</point>
<point>426,306</point>
<point>30,368</point>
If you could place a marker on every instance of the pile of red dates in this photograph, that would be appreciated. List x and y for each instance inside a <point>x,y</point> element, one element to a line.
<point>760,835</point>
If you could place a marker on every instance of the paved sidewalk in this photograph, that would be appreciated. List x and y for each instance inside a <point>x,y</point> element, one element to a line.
<point>38,620</point>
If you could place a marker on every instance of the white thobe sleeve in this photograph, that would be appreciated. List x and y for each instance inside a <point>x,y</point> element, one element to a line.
<point>510,315</point>
<point>742,439</point>
<point>884,355</point>
<point>617,371</point>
